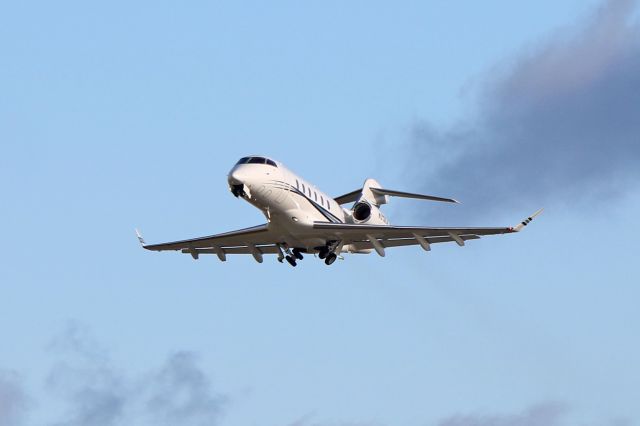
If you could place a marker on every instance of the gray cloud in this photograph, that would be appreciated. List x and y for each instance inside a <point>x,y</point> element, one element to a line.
<point>96,391</point>
<point>13,400</point>
<point>551,413</point>
<point>99,394</point>
<point>180,393</point>
<point>547,414</point>
<point>559,125</point>
<point>307,421</point>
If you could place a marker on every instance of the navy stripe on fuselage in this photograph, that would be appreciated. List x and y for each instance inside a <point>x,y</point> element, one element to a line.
<point>326,213</point>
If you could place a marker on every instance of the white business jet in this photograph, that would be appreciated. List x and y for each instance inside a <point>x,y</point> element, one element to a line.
<point>303,219</point>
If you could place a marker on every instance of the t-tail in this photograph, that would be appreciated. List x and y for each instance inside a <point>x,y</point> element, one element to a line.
<point>371,196</point>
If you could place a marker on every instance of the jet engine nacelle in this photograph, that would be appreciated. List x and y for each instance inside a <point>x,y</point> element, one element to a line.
<point>365,212</point>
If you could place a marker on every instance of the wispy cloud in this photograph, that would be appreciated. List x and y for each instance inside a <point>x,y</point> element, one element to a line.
<point>308,420</point>
<point>559,124</point>
<point>13,400</point>
<point>180,393</point>
<point>552,413</point>
<point>547,414</point>
<point>97,393</point>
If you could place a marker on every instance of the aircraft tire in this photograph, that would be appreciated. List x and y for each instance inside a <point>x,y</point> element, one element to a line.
<point>324,252</point>
<point>331,257</point>
<point>291,261</point>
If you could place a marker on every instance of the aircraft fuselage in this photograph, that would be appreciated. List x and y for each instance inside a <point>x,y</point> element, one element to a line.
<point>290,203</point>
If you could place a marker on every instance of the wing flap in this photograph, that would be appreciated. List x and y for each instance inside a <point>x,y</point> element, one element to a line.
<point>402,242</point>
<point>264,249</point>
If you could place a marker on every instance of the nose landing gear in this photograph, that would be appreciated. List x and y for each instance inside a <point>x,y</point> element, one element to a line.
<point>238,190</point>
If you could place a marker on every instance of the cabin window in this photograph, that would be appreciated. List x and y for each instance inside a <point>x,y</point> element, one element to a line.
<point>297,184</point>
<point>321,200</point>
<point>315,196</point>
<point>303,188</point>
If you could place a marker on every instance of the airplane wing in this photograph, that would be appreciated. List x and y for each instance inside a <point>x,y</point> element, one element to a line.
<point>256,240</point>
<point>380,236</point>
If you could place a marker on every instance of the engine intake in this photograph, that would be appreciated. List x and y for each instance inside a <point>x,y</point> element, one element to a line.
<point>362,211</point>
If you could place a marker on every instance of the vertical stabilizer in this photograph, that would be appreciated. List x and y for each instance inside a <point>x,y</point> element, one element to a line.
<point>369,195</point>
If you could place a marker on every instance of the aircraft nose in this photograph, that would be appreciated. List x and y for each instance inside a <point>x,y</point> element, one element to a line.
<point>238,182</point>
<point>237,177</point>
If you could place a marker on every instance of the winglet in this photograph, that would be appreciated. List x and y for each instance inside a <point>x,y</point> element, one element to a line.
<point>142,242</point>
<point>525,222</point>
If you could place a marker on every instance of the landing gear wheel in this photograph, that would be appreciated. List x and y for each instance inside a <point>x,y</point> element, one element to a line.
<point>323,253</point>
<point>297,254</point>
<point>237,190</point>
<point>291,261</point>
<point>331,257</point>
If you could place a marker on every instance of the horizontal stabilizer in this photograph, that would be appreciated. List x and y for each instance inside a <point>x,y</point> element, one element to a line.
<point>392,193</point>
<point>350,197</point>
<point>380,195</point>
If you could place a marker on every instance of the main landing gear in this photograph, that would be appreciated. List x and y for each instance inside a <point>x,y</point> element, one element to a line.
<point>297,254</point>
<point>291,260</point>
<point>327,254</point>
<point>331,257</point>
<point>291,255</point>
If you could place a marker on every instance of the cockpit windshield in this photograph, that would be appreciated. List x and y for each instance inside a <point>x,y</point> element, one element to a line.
<point>257,160</point>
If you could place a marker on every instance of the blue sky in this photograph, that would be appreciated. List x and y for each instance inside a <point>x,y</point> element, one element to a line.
<point>115,116</point>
